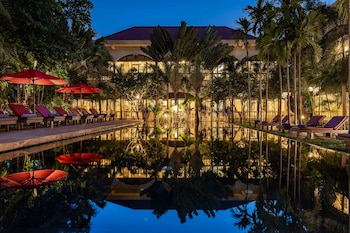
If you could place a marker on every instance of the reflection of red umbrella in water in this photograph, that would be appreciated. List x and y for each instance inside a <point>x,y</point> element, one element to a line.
<point>32,179</point>
<point>79,158</point>
<point>34,77</point>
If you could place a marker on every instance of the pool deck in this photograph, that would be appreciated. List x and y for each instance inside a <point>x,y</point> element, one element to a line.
<point>20,139</point>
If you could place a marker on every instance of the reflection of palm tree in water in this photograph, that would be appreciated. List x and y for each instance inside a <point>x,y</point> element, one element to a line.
<point>272,215</point>
<point>187,196</point>
<point>196,162</point>
<point>280,212</point>
<point>175,162</point>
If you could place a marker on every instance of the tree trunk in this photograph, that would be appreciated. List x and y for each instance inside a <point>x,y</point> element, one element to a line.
<point>121,108</point>
<point>267,88</point>
<point>281,92</point>
<point>249,96</point>
<point>301,107</point>
<point>288,84</point>
<point>260,98</point>
<point>196,130</point>
<point>295,91</point>
<point>349,70</point>
<point>343,99</point>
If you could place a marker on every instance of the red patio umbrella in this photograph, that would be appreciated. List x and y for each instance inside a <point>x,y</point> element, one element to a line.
<point>79,88</point>
<point>34,77</point>
<point>32,179</point>
<point>79,158</point>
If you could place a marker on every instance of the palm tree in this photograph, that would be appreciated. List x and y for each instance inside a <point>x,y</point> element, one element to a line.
<point>307,33</point>
<point>160,51</point>
<point>343,8</point>
<point>173,54</point>
<point>186,48</point>
<point>245,28</point>
<point>261,17</point>
<point>282,32</point>
<point>210,53</point>
<point>229,84</point>
<point>273,48</point>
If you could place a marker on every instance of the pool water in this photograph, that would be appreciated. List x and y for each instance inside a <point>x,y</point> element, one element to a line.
<point>121,219</point>
<point>241,180</point>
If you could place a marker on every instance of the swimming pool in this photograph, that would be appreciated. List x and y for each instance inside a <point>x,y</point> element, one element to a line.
<point>241,180</point>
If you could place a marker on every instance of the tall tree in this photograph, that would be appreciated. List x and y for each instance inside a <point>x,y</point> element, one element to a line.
<point>343,7</point>
<point>282,33</point>
<point>261,17</point>
<point>206,53</point>
<point>306,26</point>
<point>42,31</point>
<point>244,29</point>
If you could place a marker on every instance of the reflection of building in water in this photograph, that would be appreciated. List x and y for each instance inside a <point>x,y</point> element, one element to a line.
<point>240,191</point>
<point>126,192</point>
<point>136,143</point>
<point>130,180</point>
<point>341,203</point>
<point>335,198</point>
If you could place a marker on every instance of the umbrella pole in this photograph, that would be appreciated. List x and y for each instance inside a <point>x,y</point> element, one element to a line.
<point>33,96</point>
<point>18,93</point>
<point>32,175</point>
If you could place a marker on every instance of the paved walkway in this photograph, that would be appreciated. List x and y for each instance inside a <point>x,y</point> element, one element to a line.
<point>19,139</point>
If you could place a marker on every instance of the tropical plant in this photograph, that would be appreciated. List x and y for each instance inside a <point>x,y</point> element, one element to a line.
<point>245,28</point>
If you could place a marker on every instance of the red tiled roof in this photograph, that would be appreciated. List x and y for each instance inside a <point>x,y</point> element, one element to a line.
<point>143,33</point>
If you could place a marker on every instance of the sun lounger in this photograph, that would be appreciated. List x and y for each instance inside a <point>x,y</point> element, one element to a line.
<point>101,116</point>
<point>84,118</point>
<point>314,121</point>
<point>49,117</point>
<point>74,118</point>
<point>7,121</point>
<point>97,117</point>
<point>110,116</point>
<point>25,116</point>
<point>261,123</point>
<point>275,122</point>
<point>331,127</point>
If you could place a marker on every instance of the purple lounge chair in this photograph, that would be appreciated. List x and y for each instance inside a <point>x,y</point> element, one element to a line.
<point>275,122</point>
<point>6,120</point>
<point>331,127</point>
<point>49,117</point>
<point>25,116</point>
<point>74,118</point>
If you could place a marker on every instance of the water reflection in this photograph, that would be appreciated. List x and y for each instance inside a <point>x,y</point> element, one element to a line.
<point>268,183</point>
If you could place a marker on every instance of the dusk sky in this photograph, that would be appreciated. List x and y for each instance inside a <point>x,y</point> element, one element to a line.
<point>110,16</point>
